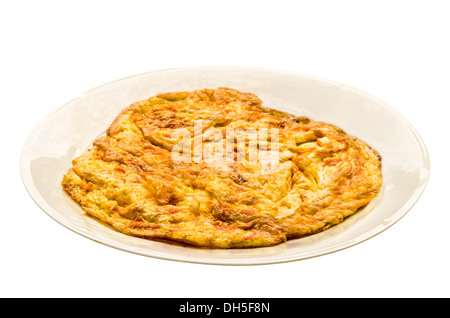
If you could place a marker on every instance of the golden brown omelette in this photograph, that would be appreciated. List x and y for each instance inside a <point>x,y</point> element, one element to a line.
<point>214,168</point>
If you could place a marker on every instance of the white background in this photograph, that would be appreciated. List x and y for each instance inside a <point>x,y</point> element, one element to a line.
<point>52,51</point>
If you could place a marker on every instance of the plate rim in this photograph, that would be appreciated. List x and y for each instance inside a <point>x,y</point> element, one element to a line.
<point>53,214</point>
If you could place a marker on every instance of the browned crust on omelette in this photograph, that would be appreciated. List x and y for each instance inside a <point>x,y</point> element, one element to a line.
<point>129,180</point>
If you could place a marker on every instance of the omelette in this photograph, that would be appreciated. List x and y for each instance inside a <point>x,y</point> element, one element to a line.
<point>214,168</point>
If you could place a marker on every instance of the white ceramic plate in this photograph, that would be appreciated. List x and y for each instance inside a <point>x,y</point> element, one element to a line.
<point>70,130</point>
